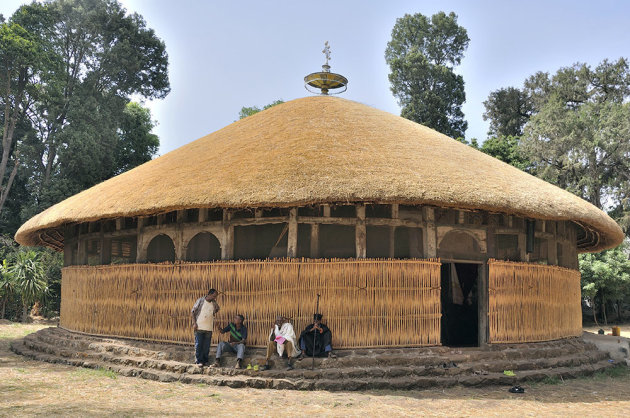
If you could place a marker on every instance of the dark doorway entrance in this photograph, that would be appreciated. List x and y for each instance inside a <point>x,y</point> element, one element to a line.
<point>460,320</point>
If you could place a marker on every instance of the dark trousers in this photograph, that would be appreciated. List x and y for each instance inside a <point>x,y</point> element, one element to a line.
<point>202,346</point>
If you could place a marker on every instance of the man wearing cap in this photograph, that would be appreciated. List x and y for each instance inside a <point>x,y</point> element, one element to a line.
<point>316,339</point>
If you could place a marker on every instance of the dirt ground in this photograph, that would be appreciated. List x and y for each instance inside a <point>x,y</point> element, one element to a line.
<point>625,329</point>
<point>33,388</point>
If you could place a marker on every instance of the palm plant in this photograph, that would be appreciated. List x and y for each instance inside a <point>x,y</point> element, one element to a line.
<point>29,278</point>
<point>6,285</point>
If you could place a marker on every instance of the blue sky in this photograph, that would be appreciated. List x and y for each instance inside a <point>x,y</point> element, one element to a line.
<point>225,55</point>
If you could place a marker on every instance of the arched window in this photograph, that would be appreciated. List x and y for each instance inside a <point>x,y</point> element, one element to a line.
<point>203,247</point>
<point>161,248</point>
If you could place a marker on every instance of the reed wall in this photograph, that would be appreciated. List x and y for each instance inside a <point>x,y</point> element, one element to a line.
<point>366,303</point>
<point>533,302</point>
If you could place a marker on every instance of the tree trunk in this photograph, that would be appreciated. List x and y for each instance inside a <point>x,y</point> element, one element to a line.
<point>604,313</point>
<point>24,313</point>
<point>4,305</point>
<point>595,313</point>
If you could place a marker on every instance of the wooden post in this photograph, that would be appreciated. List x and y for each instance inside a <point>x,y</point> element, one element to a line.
<point>181,216</point>
<point>203,215</point>
<point>227,247</point>
<point>326,211</point>
<point>392,241</point>
<point>482,293</point>
<point>258,213</point>
<point>430,235</point>
<point>360,232</point>
<point>141,253</point>
<point>395,211</point>
<point>315,241</point>
<point>119,223</point>
<point>292,234</point>
<point>522,247</point>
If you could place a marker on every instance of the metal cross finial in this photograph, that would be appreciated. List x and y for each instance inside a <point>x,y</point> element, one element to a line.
<point>326,51</point>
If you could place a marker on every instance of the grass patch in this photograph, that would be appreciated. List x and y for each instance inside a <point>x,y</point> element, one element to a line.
<point>94,373</point>
<point>614,372</point>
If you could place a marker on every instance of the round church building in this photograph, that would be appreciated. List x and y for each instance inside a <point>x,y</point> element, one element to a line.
<point>410,237</point>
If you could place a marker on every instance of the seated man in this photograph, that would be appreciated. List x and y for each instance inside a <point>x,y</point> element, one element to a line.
<point>281,339</point>
<point>316,339</point>
<point>236,344</point>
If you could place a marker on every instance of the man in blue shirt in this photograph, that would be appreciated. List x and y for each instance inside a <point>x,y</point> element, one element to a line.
<point>236,343</point>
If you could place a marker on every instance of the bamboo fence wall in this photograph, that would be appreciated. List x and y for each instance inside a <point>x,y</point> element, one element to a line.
<point>533,302</point>
<point>366,303</point>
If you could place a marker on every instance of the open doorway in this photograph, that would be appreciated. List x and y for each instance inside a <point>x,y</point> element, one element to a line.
<point>460,320</point>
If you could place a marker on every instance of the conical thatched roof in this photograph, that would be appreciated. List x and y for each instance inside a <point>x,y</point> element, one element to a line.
<point>323,149</point>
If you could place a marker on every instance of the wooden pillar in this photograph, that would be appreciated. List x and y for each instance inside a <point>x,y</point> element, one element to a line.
<point>141,252</point>
<point>482,306</point>
<point>395,211</point>
<point>227,247</point>
<point>258,213</point>
<point>360,233</point>
<point>326,211</point>
<point>181,216</point>
<point>203,215</point>
<point>392,241</point>
<point>119,223</point>
<point>292,234</point>
<point>315,241</point>
<point>430,234</point>
<point>522,246</point>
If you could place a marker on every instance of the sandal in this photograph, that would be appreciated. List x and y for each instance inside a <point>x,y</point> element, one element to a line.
<point>516,389</point>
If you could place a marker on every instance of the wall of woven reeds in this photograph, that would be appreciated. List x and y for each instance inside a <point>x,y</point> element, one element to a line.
<point>366,303</point>
<point>533,302</point>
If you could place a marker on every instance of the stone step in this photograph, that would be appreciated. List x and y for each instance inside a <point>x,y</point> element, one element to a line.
<point>339,372</point>
<point>346,358</point>
<point>327,382</point>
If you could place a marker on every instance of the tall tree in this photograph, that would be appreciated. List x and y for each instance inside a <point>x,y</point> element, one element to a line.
<point>579,136</point>
<point>20,60</point>
<point>422,55</point>
<point>508,110</point>
<point>98,57</point>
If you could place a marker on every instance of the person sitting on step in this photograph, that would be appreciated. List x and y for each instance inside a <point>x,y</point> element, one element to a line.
<point>236,343</point>
<point>316,339</point>
<point>281,339</point>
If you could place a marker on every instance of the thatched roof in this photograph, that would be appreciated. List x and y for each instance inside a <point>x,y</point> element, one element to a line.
<point>317,150</point>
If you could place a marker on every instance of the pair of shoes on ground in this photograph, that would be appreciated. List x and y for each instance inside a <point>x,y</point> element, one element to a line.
<point>236,366</point>
<point>516,389</point>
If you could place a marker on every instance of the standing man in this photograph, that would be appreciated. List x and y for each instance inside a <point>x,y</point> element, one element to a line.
<point>236,344</point>
<point>203,323</point>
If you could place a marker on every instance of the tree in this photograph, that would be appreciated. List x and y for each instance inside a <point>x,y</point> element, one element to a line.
<point>20,59</point>
<point>606,278</point>
<point>506,149</point>
<point>29,279</point>
<point>422,55</point>
<point>97,58</point>
<point>248,111</point>
<point>508,110</point>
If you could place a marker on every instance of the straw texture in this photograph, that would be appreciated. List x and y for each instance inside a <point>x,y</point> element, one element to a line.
<point>366,303</point>
<point>533,302</point>
<point>318,150</point>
